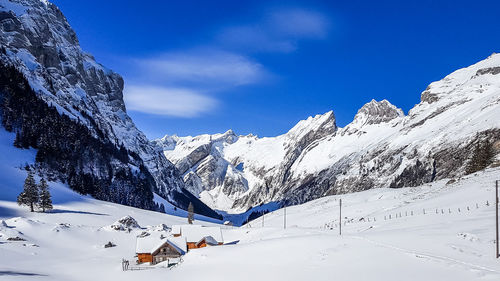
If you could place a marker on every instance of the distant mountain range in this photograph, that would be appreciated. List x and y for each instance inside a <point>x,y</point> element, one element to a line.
<point>60,101</point>
<point>455,129</point>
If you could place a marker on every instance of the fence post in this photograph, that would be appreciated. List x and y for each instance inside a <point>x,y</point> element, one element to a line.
<point>496,212</point>
<point>340,216</point>
<point>284,218</point>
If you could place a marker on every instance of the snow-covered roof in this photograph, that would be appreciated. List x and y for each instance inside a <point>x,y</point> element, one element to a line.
<point>179,243</point>
<point>145,244</point>
<point>176,229</point>
<point>195,233</point>
<point>151,243</point>
<point>209,240</point>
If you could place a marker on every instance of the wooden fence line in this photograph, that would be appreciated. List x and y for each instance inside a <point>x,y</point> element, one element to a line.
<point>399,215</point>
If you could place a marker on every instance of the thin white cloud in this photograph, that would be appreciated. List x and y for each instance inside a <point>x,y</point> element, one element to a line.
<point>203,67</point>
<point>167,101</point>
<point>185,83</point>
<point>278,31</point>
<point>299,23</point>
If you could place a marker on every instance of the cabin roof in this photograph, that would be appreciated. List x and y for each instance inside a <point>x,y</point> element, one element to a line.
<point>178,244</point>
<point>209,240</point>
<point>195,234</point>
<point>151,243</point>
<point>176,229</point>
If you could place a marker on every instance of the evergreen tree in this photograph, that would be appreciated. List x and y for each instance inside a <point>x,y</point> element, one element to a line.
<point>45,202</point>
<point>29,196</point>
<point>190,213</point>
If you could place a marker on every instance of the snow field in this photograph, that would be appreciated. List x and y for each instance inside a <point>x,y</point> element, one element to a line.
<point>68,244</point>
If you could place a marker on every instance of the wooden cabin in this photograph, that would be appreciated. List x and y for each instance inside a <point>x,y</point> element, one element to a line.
<point>207,241</point>
<point>144,257</point>
<point>167,251</point>
<point>199,236</point>
<point>154,249</point>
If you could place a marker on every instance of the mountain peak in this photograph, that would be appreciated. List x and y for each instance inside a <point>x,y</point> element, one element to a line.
<point>229,132</point>
<point>320,121</point>
<point>481,73</point>
<point>376,112</point>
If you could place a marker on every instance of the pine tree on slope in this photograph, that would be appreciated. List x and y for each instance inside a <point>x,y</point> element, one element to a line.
<point>190,213</point>
<point>45,202</point>
<point>29,196</point>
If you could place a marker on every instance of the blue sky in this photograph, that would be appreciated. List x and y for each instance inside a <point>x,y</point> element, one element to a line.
<point>193,67</point>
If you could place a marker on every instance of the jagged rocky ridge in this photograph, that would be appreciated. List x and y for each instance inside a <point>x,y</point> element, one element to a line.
<point>37,40</point>
<point>382,147</point>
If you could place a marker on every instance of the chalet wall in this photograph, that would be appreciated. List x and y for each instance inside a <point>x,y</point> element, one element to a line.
<point>142,258</point>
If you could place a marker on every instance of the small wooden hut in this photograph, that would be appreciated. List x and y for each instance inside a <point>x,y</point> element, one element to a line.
<point>155,250</point>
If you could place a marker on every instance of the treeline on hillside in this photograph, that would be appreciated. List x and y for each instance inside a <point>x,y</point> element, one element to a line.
<point>68,150</point>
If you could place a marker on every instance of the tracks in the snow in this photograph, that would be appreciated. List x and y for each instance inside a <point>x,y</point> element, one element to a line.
<point>430,256</point>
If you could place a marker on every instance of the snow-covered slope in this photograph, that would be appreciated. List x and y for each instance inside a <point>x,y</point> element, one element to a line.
<point>223,168</point>
<point>452,244</point>
<point>381,147</point>
<point>36,38</point>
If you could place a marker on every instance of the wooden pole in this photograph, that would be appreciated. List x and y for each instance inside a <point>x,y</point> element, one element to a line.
<point>496,209</point>
<point>284,218</point>
<point>340,217</point>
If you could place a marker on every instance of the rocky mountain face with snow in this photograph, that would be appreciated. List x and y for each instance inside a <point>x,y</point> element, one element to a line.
<point>456,124</point>
<point>37,40</point>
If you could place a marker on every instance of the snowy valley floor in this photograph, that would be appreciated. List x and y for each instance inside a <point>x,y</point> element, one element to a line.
<point>67,244</point>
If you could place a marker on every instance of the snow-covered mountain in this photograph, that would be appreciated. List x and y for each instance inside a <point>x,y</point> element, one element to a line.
<point>436,231</point>
<point>223,168</point>
<point>37,40</point>
<point>457,121</point>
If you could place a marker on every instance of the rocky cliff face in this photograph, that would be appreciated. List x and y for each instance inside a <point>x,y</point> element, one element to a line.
<point>38,41</point>
<point>439,138</point>
<point>206,172</point>
<point>225,170</point>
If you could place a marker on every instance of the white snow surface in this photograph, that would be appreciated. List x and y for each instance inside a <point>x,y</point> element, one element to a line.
<point>151,243</point>
<point>195,233</point>
<point>453,240</point>
<point>67,244</point>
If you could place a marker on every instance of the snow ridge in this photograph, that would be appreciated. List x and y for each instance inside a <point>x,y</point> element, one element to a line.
<point>381,147</point>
